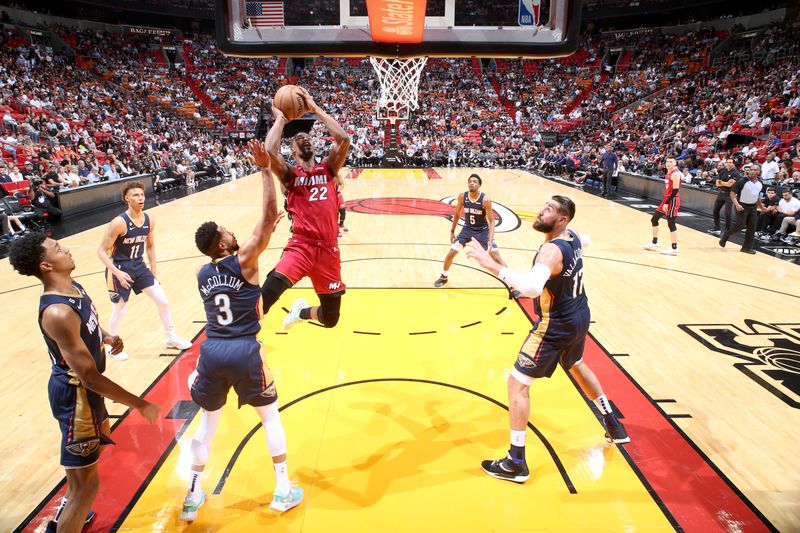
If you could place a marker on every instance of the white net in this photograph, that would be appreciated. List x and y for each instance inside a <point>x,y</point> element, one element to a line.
<point>399,79</point>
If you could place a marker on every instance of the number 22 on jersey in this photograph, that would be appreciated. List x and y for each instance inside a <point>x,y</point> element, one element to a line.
<point>318,193</point>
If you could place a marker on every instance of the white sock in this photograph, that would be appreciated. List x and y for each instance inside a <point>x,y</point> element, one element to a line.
<point>602,404</point>
<point>282,483</point>
<point>194,484</point>
<point>444,273</point>
<point>518,438</point>
<point>60,509</point>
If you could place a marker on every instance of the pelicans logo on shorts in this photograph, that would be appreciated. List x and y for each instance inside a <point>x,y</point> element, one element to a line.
<point>525,362</point>
<point>270,391</point>
<point>83,448</point>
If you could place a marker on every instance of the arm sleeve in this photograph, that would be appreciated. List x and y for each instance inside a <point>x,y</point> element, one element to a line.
<point>530,284</point>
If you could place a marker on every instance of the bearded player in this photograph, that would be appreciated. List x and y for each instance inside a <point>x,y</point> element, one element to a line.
<point>311,200</point>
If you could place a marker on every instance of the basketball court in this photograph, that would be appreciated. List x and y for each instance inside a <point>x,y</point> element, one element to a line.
<point>389,414</point>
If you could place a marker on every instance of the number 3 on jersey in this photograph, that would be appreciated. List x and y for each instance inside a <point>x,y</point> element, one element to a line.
<point>318,193</point>
<point>225,316</point>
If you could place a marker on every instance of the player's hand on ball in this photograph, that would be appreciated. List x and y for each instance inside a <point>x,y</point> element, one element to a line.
<point>311,105</point>
<point>475,251</point>
<point>115,341</point>
<point>258,154</point>
<point>277,113</point>
<point>150,411</point>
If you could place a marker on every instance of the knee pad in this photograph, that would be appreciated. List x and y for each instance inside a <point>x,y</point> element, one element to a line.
<point>275,285</point>
<point>199,452</point>
<point>655,218</point>
<point>329,306</point>
<point>671,224</point>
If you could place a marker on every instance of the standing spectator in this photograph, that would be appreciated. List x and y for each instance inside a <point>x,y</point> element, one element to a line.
<point>610,164</point>
<point>726,179</point>
<point>745,196</point>
<point>769,168</point>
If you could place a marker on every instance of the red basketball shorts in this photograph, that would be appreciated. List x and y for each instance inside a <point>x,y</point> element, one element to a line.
<point>319,260</point>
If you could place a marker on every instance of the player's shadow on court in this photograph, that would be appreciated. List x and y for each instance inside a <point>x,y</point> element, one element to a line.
<point>429,439</point>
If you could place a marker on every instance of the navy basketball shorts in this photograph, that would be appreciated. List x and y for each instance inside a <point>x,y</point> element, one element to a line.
<point>138,271</point>
<point>467,234</point>
<point>237,363</point>
<point>80,414</point>
<point>547,347</point>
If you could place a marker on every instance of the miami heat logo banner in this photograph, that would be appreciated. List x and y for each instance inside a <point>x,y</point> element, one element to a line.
<point>396,21</point>
<point>769,354</point>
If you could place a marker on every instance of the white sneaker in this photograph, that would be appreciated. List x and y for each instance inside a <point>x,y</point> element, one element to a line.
<point>190,507</point>
<point>283,501</point>
<point>121,356</point>
<point>670,251</point>
<point>173,341</point>
<point>294,315</point>
<point>650,246</point>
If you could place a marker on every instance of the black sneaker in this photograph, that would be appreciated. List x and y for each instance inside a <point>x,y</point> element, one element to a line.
<point>615,431</point>
<point>506,469</point>
<point>515,294</point>
<point>440,282</point>
<point>52,525</point>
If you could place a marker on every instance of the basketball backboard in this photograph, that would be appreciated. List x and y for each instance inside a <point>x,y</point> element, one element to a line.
<point>450,28</point>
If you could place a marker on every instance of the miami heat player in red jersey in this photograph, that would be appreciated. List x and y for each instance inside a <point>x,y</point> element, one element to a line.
<point>668,208</point>
<point>311,201</point>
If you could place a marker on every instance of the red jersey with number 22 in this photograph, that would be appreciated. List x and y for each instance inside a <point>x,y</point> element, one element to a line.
<point>312,203</point>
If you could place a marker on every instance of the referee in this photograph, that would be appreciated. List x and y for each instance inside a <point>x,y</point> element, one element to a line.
<point>727,178</point>
<point>745,196</point>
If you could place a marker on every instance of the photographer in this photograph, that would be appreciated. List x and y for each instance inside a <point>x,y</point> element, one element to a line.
<point>42,198</point>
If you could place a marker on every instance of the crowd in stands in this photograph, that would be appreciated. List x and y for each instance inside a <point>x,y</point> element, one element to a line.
<point>112,105</point>
<point>237,87</point>
<point>96,112</point>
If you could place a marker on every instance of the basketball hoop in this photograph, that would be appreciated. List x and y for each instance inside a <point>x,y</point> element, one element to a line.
<point>399,79</point>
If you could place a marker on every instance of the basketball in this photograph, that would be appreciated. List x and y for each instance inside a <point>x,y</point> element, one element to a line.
<point>289,100</point>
